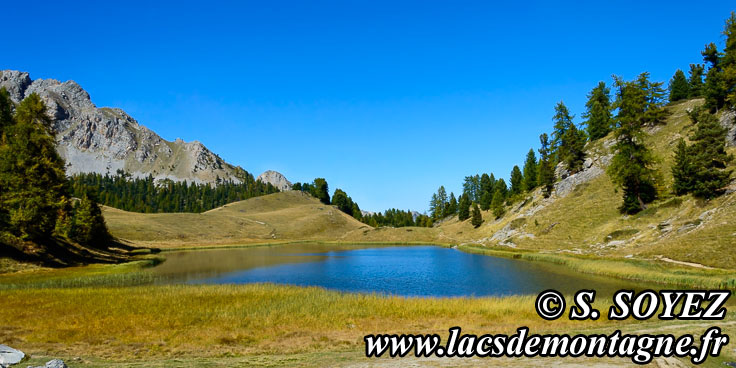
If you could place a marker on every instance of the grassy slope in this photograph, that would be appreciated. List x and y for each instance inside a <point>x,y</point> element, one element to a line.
<point>581,222</point>
<point>286,216</point>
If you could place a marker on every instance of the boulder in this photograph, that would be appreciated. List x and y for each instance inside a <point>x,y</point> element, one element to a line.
<point>56,363</point>
<point>10,356</point>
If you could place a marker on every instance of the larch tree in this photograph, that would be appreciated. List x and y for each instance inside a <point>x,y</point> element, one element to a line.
<point>598,116</point>
<point>679,87</point>
<point>631,166</point>
<point>530,171</point>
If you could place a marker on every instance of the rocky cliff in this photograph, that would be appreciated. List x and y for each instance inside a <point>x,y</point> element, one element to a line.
<point>276,179</point>
<point>105,140</point>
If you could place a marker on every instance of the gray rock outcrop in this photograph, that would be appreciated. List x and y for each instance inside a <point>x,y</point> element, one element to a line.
<point>276,179</point>
<point>728,121</point>
<point>10,356</point>
<point>56,363</point>
<point>105,140</point>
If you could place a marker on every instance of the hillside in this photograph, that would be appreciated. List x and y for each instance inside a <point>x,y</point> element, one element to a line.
<point>581,216</point>
<point>104,140</point>
<point>280,216</point>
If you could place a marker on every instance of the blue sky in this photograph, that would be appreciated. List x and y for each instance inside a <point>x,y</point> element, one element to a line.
<point>387,100</point>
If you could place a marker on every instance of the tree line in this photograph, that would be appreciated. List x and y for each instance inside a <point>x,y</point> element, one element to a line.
<point>700,166</point>
<point>148,195</point>
<point>393,217</point>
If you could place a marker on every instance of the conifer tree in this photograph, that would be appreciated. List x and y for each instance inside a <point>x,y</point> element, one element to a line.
<point>485,201</point>
<point>31,173</point>
<point>598,115</point>
<point>530,171</point>
<point>631,166</point>
<point>451,205</point>
<point>486,191</point>
<point>701,169</point>
<point>477,219</point>
<point>568,142</point>
<point>695,81</point>
<point>517,181</point>
<point>683,170</point>
<point>714,90</point>
<point>497,205</point>
<point>679,87</point>
<point>463,207</point>
<point>546,174</point>
<point>321,190</point>
<point>89,226</point>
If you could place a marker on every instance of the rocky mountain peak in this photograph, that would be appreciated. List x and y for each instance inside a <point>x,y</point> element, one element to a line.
<point>276,179</point>
<point>104,140</point>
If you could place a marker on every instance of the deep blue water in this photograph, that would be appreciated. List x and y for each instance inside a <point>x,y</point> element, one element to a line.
<point>407,271</point>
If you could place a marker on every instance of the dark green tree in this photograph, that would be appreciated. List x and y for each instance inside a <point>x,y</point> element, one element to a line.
<point>714,90</point>
<point>546,174</point>
<point>598,116</point>
<point>631,167</point>
<point>89,225</point>
<point>6,111</point>
<point>517,181</point>
<point>477,219</point>
<point>653,102</point>
<point>34,186</point>
<point>679,87</point>
<point>321,190</point>
<point>485,201</point>
<point>497,205</point>
<point>343,203</point>
<point>684,169</point>
<point>463,211</point>
<point>568,141</point>
<point>701,169</point>
<point>451,205</point>
<point>530,171</point>
<point>695,81</point>
<point>471,185</point>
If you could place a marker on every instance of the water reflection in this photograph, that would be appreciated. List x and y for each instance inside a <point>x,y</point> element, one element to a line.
<point>405,270</point>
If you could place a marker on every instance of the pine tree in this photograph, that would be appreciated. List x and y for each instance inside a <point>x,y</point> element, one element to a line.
<point>32,173</point>
<point>6,111</point>
<point>485,201</point>
<point>714,90</point>
<point>546,174</point>
<point>497,205</point>
<point>568,141</point>
<point>451,205</point>
<point>631,166</point>
<point>343,203</point>
<point>89,226</point>
<point>653,101</point>
<point>463,207</point>
<point>321,190</point>
<point>729,61</point>
<point>701,169</point>
<point>530,171</point>
<point>683,170</point>
<point>477,219</point>
<point>679,87</point>
<point>695,81</point>
<point>598,115</point>
<point>517,181</point>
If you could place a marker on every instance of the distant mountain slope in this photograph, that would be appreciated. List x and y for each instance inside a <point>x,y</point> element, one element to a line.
<point>104,140</point>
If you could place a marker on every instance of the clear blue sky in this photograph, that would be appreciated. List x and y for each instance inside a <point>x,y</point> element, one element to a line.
<point>386,100</point>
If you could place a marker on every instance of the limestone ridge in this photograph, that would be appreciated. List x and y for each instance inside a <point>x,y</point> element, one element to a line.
<point>105,140</point>
<point>276,179</point>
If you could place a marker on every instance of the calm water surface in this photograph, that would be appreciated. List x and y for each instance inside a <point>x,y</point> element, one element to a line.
<point>398,270</point>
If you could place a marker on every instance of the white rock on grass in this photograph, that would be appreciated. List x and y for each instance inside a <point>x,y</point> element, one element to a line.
<point>10,356</point>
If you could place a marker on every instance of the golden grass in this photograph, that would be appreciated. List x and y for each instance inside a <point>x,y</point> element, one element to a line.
<point>208,320</point>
